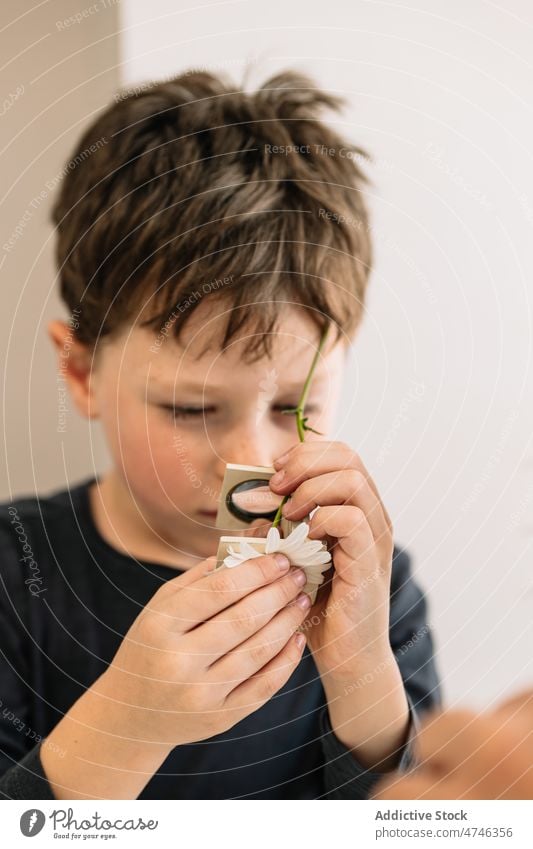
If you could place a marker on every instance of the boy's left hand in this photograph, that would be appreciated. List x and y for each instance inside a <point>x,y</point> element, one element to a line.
<point>348,626</point>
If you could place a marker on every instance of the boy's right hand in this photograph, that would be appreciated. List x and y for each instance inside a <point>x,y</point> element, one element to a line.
<point>208,649</point>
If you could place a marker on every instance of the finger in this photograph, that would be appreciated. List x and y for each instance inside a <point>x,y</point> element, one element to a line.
<point>312,458</point>
<point>353,551</point>
<point>345,486</point>
<point>190,576</point>
<point>309,459</point>
<point>237,623</point>
<point>372,484</point>
<point>260,688</point>
<point>254,653</point>
<point>189,605</point>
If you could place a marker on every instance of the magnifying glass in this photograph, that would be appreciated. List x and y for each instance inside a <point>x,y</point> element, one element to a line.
<point>253,499</point>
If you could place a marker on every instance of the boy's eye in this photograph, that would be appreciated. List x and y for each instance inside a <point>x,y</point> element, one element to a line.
<point>284,408</point>
<point>187,412</point>
<point>192,412</point>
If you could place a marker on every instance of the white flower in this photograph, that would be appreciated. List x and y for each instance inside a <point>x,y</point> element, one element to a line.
<point>311,555</point>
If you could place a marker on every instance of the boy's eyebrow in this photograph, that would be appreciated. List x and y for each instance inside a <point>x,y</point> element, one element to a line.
<point>317,380</point>
<point>188,386</point>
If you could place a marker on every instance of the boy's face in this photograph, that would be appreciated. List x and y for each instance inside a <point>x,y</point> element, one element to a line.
<point>169,462</point>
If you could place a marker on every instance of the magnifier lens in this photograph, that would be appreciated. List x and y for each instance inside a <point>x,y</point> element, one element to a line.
<point>251,499</point>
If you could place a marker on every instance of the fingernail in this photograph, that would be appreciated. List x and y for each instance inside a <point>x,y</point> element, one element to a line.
<point>281,459</point>
<point>299,577</point>
<point>278,477</point>
<point>282,560</point>
<point>303,601</point>
<point>300,640</point>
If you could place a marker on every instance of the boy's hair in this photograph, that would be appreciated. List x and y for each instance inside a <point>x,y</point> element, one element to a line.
<point>191,188</point>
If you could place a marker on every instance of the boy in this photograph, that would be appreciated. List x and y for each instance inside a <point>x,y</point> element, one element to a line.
<point>202,247</point>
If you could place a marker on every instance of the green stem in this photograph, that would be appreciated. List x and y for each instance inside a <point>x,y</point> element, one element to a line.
<point>298,411</point>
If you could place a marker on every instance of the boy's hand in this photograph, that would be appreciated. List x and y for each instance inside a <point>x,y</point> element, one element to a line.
<point>348,626</point>
<point>464,755</point>
<point>208,649</point>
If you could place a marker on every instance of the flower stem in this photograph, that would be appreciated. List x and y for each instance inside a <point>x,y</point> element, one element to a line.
<point>298,411</point>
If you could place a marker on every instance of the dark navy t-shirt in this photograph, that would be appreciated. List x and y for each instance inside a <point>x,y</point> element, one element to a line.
<point>67,599</point>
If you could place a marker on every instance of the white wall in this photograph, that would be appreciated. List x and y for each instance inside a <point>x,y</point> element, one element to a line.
<point>441,390</point>
<point>54,78</point>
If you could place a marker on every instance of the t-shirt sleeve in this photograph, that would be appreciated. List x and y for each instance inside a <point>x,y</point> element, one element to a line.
<point>411,638</point>
<point>21,773</point>
<point>345,777</point>
<point>26,779</point>
<point>412,644</point>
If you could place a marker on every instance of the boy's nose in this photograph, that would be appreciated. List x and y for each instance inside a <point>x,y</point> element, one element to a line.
<point>251,446</point>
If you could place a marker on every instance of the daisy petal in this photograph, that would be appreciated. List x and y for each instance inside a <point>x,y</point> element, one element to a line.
<point>272,540</point>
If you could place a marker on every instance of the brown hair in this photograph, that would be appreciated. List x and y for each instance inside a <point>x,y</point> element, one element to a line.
<point>189,181</point>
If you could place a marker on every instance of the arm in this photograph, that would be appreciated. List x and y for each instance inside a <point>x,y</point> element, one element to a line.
<point>346,777</point>
<point>367,630</point>
<point>171,683</point>
<point>89,753</point>
<point>86,755</point>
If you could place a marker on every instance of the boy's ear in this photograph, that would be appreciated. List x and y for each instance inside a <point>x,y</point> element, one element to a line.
<point>76,365</point>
